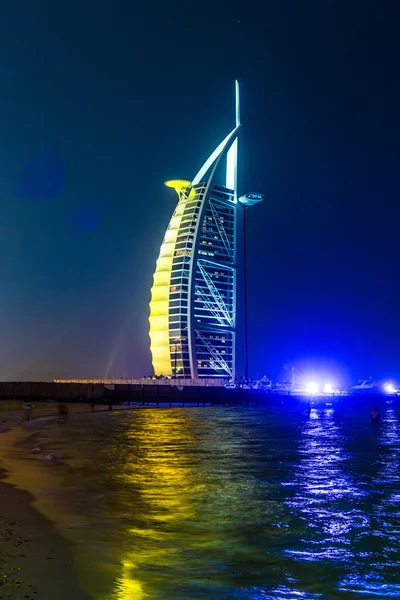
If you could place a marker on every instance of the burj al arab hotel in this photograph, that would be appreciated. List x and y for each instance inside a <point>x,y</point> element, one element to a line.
<point>197,303</point>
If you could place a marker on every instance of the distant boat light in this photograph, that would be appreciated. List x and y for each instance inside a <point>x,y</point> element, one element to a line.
<point>389,388</point>
<point>312,387</point>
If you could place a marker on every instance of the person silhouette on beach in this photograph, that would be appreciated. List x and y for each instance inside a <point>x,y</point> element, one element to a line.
<point>28,407</point>
<point>62,413</point>
<point>375,416</point>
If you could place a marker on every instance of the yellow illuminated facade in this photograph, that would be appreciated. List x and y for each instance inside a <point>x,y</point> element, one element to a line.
<point>160,292</point>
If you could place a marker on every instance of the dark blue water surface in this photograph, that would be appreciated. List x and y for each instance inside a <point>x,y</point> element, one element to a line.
<point>228,503</point>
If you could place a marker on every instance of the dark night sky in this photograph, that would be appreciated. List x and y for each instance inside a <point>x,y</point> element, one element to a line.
<point>102,101</point>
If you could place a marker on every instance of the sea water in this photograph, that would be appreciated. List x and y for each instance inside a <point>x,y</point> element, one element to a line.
<point>285,502</point>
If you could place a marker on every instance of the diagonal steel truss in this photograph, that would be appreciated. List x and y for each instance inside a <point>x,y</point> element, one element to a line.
<point>216,362</point>
<point>217,305</point>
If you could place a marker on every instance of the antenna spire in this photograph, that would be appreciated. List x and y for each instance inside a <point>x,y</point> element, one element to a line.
<point>237,103</point>
<point>231,157</point>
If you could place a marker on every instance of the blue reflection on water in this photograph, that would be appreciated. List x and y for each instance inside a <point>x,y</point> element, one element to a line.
<point>381,578</point>
<point>325,497</point>
<point>253,593</point>
<point>340,527</point>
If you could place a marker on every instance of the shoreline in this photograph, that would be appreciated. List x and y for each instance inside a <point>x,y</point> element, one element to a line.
<point>35,561</point>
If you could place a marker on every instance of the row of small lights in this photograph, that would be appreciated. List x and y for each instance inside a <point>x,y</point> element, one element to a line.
<point>312,387</point>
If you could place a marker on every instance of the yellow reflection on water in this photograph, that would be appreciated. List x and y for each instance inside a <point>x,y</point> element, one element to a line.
<point>126,587</point>
<point>156,467</point>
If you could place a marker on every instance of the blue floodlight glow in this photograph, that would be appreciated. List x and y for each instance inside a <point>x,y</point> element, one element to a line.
<point>328,389</point>
<point>389,388</point>
<point>312,387</point>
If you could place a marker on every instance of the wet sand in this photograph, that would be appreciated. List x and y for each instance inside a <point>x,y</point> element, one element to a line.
<point>35,562</point>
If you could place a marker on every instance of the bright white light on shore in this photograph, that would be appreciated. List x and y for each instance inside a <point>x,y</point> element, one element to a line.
<point>312,387</point>
<point>328,389</point>
<point>389,388</point>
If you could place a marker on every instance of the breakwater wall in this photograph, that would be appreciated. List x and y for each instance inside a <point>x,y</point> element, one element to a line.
<point>155,393</point>
<point>144,393</point>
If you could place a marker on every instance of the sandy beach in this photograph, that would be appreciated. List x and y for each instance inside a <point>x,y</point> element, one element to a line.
<point>35,562</point>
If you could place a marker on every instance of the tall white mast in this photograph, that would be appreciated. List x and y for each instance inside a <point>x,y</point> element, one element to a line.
<point>237,103</point>
<point>232,155</point>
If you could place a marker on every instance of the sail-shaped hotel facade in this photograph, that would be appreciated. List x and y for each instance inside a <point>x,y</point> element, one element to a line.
<point>197,298</point>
